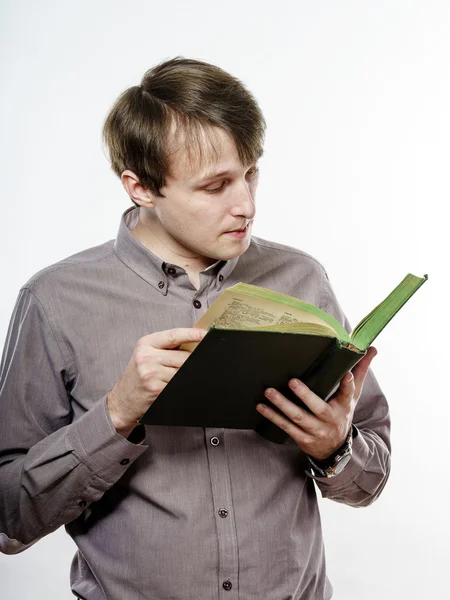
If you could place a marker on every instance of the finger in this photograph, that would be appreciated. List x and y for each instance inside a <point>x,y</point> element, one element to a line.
<point>153,382</point>
<point>346,391</point>
<point>174,358</point>
<point>317,405</point>
<point>171,338</point>
<point>155,388</point>
<point>362,368</point>
<point>158,382</point>
<point>296,433</point>
<point>167,373</point>
<point>308,422</point>
<point>167,358</point>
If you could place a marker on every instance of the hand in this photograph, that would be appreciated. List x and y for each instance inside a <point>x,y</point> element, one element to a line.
<point>153,364</point>
<point>321,433</point>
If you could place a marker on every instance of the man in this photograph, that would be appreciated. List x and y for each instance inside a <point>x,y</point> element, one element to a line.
<point>173,512</point>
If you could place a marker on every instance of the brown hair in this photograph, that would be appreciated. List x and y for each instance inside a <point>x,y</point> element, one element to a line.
<point>192,95</point>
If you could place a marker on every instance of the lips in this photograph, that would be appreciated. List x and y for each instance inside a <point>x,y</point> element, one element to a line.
<point>237,230</point>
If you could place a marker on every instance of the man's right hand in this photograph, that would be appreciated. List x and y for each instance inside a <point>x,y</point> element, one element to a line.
<point>154,362</point>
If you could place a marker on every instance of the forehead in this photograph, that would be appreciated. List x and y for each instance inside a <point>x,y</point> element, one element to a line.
<point>194,153</point>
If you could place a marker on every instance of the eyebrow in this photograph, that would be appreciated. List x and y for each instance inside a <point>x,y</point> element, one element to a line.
<point>213,175</point>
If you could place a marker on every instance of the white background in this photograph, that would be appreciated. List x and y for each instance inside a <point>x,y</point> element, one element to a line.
<point>356,172</point>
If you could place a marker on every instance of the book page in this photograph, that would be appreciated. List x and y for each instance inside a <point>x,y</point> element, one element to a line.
<point>242,314</point>
<point>234,311</point>
<point>241,311</point>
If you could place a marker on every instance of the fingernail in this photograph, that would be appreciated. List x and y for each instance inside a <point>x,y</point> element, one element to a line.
<point>294,383</point>
<point>348,377</point>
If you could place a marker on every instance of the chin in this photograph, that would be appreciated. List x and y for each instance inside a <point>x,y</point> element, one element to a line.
<point>230,253</point>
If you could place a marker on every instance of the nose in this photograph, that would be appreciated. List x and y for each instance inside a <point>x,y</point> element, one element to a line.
<point>244,203</point>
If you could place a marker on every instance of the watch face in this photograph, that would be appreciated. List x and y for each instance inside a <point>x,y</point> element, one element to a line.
<point>342,463</point>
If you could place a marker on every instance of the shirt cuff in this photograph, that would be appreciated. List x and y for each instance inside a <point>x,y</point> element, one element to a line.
<point>98,445</point>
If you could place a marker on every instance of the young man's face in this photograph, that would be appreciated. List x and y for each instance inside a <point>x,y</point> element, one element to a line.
<point>198,212</point>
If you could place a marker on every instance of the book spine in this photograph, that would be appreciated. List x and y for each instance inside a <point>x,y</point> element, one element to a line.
<point>323,379</point>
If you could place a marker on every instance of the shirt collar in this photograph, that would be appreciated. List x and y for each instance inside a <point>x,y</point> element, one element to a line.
<point>150,267</point>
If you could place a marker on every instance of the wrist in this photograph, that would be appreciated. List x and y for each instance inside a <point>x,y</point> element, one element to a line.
<point>336,462</point>
<point>123,426</point>
<point>329,458</point>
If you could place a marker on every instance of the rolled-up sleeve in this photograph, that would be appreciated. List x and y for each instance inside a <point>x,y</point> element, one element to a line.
<point>51,467</point>
<point>365,476</point>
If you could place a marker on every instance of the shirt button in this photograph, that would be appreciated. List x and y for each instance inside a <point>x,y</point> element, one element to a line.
<point>223,513</point>
<point>214,441</point>
<point>197,304</point>
<point>161,285</point>
<point>220,277</point>
<point>227,585</point>
<point>82,503</point>
<point>124,461</point>
<point>171,271</point>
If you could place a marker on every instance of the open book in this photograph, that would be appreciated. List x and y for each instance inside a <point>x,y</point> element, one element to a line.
<point>257,339</point>
<point>253,308</point>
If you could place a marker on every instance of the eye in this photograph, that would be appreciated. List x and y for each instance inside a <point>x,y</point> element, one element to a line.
<point>215,190</point>
<point>251,172</point>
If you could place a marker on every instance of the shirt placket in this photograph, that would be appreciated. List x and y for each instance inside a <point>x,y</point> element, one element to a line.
<point>228,567</point>
<point>223,514</point>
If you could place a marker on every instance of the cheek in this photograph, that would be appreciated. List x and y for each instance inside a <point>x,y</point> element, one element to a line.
<point>194,226</point>
<point>210,218</point>
<point>200,220</point>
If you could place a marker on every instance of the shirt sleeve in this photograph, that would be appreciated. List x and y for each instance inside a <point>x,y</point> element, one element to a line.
<point>51,467</point>
<point>366,474</point>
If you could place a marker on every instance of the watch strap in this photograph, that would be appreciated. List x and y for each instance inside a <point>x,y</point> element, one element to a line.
<point>335,463</point>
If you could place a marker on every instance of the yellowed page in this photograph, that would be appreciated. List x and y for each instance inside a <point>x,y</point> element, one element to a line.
<point>233,311</point>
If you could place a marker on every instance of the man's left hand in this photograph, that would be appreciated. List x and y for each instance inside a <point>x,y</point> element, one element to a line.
<point>324,430</point>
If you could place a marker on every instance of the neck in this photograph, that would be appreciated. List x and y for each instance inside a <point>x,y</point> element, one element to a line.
<point>150,232</point>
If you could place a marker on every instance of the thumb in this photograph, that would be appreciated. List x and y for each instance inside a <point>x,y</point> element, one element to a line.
<point>361,369</point>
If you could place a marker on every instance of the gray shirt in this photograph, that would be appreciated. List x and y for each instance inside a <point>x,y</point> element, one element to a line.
<point>171,512</point>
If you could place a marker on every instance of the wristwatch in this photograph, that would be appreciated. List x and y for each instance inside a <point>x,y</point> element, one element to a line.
<point>336,463</point>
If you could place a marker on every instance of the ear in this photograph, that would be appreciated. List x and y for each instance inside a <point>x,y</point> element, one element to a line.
<point>134,189</point>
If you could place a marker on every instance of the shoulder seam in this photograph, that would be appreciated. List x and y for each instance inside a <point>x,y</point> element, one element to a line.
<point>62,267</point>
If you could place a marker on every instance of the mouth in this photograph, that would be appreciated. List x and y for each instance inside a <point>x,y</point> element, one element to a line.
<point>238,233</point>
<point>239,230</point>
